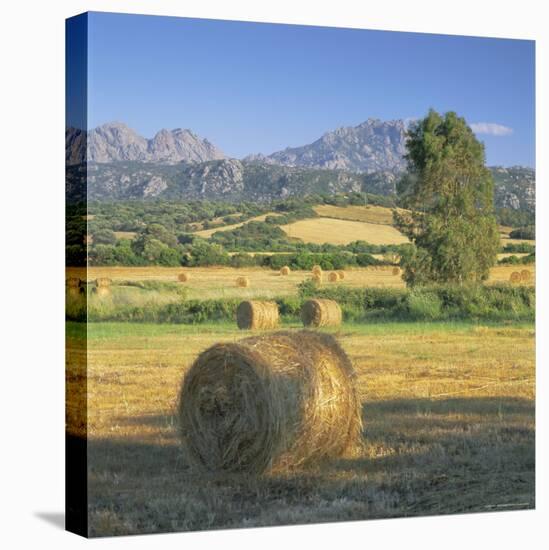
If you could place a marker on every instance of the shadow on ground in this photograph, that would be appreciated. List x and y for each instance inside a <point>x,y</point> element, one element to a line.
<point>57,519</point>
<point>420,457</point>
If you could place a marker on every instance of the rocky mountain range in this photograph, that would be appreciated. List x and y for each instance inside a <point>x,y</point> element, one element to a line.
<point>179,165</point>
<point>115,141</point>
<point>372,146</point>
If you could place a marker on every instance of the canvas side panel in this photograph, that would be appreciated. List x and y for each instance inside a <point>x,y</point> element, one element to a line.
<point>76,242</point>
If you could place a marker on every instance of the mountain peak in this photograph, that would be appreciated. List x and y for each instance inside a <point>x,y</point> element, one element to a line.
<point>371,146</point>
<point>116,141</point>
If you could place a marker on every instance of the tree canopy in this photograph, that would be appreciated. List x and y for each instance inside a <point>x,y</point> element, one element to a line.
<point>449,193</point>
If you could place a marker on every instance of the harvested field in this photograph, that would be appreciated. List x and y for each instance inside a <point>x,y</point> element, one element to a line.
<point>448,412</point>
<point>336,231</point>
<point>219,282</point>
<point>369,213</point>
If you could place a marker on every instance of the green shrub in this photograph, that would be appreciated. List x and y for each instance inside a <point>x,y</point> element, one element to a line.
<point>424,305</point>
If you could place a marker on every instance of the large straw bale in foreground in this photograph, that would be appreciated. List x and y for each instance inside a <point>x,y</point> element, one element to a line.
<point>270,403</point>
<point>242,282</point>
<point>254,314</point>
<point>321,313</point>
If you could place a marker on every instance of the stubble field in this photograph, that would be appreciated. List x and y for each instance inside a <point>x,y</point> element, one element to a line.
<point>448,414</point>
<point>220,282</point>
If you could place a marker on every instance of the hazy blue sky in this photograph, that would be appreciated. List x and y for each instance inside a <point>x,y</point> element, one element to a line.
<point>251,87</point>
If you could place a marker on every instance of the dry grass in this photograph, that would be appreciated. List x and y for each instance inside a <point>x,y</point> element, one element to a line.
<point>448,416</point>
<point>336,231</point>
<point>125,235</point>
<point>207,233</point>
<point>211,282</point>
<point>370,213</point>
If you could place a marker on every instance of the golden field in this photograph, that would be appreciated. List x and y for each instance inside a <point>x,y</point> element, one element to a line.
<point>448,413</point>
<point>341,225</point>
<point>336,231</point>
<point>220,282</point>
<point>370,213</point>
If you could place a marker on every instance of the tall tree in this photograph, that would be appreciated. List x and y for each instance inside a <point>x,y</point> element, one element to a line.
<point>449,193</point>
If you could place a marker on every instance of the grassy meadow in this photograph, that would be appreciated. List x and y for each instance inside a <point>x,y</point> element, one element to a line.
<point>448,411</point>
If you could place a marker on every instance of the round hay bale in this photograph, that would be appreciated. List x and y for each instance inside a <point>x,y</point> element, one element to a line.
<point>317,278</point>
<point>75,287</point>
<point>321,313</point>
<point>184,277</point>
<point>285,270</point>
<point>515,277</point>
<point>333,277</point>
<point>274,402</point>
<point>396,270</point>
<point>102,286</point>
<point>341,274</point>
<point>317,270</point>
<point>73,282</point>
<point>525,275</point>
<point>253,315</point>
<point>243,282</point>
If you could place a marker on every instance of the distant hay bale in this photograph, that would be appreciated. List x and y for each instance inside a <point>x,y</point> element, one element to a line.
<point>102,286</point>
<point>525,275</point>
<point>341,274</point>
<point>317,278</point>
<point>184,277</point>
<point>333,277</point>
<point>75,286</point>
<point>242,282</point>
<point>273,403</point>
<point>321,313</point>
<point>515,277</point>
<point>317,270</point>
<point>254,315</point>
<point>285,270</point>
<point>396,270</point>
<point>73,282</point>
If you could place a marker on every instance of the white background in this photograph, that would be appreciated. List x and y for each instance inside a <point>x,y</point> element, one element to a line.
<point>32,270</point>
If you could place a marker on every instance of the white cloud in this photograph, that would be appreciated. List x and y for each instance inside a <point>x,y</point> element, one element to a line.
<point>491,129</point>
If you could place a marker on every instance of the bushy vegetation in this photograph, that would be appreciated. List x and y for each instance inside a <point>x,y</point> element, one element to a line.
<point>438,302</point>
<point>433,303</point>
<point>528,233</point>
<point>518,260</point>
<point>524,248</point>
